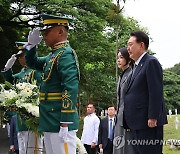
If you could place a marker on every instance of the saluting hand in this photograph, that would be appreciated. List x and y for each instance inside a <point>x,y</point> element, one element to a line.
<point>10,62</point>
<point>34,37</point>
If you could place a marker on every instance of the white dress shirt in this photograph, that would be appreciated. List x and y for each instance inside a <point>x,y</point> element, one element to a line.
<point>139,59</point>
<point>90,129</point>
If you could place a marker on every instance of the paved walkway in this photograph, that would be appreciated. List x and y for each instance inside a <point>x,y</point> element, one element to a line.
<point>4,145</point>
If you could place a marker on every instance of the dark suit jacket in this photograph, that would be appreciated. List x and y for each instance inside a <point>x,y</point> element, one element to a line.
<point>103,132</point>
<point>13,133</point>
<point>144,96</point>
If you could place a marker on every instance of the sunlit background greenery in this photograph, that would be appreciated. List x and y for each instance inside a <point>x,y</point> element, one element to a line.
<point>99,29</point>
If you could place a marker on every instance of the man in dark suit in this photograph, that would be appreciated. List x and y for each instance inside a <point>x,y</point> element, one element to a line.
<point>144,110</point>
<point>106,131</point>
<point>13,135</point>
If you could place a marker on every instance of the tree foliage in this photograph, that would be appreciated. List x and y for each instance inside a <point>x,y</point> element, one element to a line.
<point>172,90</point>
<point>175,69</point>
<point>93,37</point>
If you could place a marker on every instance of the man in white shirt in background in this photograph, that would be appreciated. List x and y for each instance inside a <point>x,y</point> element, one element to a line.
<point>90,130</point>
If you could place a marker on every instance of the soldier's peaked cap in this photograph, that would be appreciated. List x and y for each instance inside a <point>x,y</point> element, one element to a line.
<point>59,20</point>
<point>20,47</point>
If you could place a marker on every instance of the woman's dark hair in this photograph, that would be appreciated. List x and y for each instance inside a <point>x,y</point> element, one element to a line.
<point>125,54</point>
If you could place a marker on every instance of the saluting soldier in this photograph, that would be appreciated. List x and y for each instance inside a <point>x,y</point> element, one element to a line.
<point>59,88</point>
<point>25,138</point>
<point>26,74</point>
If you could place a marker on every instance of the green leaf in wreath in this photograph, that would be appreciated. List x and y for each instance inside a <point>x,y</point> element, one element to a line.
<point>8,84</point>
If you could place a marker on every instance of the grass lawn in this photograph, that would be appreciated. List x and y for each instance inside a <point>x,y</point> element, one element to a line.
<point>169,133</point>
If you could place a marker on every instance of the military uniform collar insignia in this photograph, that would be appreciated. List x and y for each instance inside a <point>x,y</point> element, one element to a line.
<point>60,45</point>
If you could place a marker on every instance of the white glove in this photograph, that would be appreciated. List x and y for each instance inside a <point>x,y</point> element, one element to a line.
<point>34,37</point>
<point>10,62</point>
<point>63,133</point>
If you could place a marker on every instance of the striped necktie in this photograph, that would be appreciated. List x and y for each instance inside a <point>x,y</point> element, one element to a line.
<point>133,70</point>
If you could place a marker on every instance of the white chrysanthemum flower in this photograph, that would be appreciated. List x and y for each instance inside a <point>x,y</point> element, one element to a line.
<point>27,92</point>
<point>28,106</point>
<point>2,97</point>
<point>33,86</point>
<point>12,94</point>
<point>19,103</point>
<point>9,94</point>
<point>6,94</point>
<point>37,101</point>
<point>35,111</point>
<point>21,86</point>
<point>21,95</point>
<point>30,86</point>
<point>3,104</point>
